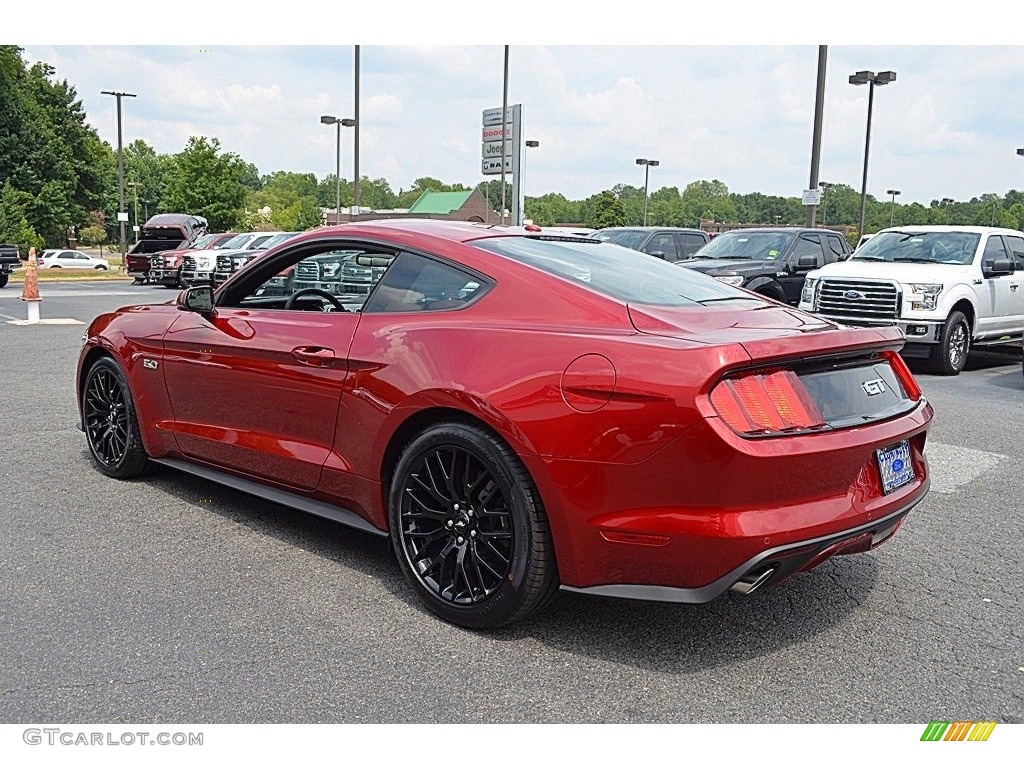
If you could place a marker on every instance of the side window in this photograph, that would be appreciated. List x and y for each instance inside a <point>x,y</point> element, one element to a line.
<point>322,278</point>
<point>689,244</point>
<point>418,284</point>
<point>1017,247</point>
<point>994,249</point>
<point>835,251</point>
<point>664,243</point>
<point>808,245</point>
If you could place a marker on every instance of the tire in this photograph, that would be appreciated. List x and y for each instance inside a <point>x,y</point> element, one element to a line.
<point>4,277</point>
<point>950,355</point>
<point>100,266</point>
<point>468,528</point>
<point>111,425</point>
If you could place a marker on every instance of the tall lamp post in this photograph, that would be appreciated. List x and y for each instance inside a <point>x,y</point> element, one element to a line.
<point>869,78</point>
<point>647,164</point>
<point>338,122</point>
<point>135,189</point>
<point>892,206</point>
<point>947,206</point>
<point>121,213</point>
<point>530,144</point>
<point>824,185</point>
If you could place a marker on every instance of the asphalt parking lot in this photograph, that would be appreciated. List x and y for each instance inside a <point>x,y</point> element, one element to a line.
<point>171,599</point>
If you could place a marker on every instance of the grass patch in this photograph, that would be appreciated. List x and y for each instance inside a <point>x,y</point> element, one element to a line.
<point>67,275</point>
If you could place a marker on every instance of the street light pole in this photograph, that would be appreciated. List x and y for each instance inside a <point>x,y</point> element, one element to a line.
<point>337,122</point>
<point>121,213</point>
<point>355,134</point>
<point>824,185</point>
<point>947,203</point>
<point>892,207</point>
<point>871,79</point>
<point>135,189</point>
<point>530,144</point>
<point>647,164</point>
<point>819,109</point>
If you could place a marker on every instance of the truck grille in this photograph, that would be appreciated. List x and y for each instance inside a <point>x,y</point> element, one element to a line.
<point>188,264</point>
<point>156,262</point>
<point>307,270</point>
<point>224,264</point>
<point>858,299</point>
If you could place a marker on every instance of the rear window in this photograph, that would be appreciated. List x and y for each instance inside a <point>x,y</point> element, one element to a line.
<point>617,272</point>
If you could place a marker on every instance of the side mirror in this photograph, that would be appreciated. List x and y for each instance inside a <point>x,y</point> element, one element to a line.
<point>807,263</point>
<point>996,267</point>
<point>197,299</point>
<point>659,254</point>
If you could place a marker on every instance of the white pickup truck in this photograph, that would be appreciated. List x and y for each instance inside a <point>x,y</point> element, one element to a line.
<point>948,288</point>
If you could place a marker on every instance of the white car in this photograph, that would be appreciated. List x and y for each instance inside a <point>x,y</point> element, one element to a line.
<point>71,260</point>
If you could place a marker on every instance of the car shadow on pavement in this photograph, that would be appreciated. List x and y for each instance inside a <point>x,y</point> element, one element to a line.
<point>662,637</point>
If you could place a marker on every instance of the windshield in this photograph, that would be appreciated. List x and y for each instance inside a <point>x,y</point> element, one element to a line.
<point>274,241</point>
<point>757,246</point>
<point>238,241</point>
<point>617,272</point>
<point>920,247</point>
<point>204,242</point>
<point>627,238</point>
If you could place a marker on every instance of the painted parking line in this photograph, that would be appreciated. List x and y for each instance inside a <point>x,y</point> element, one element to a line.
<point>953,467</point>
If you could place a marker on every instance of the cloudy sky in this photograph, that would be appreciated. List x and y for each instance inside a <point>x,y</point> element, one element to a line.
<point>741,113</point>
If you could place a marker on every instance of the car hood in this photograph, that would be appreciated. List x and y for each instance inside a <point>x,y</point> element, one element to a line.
<point>901,272</point>
<point>765,329</point>
<point>733,266</point>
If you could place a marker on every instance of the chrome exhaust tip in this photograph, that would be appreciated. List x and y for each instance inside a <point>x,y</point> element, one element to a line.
<point>752,581</point>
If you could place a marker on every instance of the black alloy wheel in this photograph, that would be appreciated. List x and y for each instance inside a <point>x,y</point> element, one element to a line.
<point>111,427</point>
<point>468,528</point>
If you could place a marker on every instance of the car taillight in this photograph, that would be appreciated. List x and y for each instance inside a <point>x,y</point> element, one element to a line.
<point>766,403</point>
<point>903,373</point>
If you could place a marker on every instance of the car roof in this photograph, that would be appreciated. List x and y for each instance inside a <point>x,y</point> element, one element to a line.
<point>649,229</point>
<point>454,231</point>
<point>950,228</point>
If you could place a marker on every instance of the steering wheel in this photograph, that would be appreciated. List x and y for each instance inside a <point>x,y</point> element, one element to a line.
<point>314,291</point>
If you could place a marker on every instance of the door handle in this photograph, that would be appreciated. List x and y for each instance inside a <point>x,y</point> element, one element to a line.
<point>319,356</point>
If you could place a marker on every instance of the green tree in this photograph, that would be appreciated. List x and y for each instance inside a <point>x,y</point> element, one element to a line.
<point>14,226</point>
<point>204,181</point>
<point>47,150</point>
<point>606,210</point>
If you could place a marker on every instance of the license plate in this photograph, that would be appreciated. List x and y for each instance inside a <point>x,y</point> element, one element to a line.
<point>895,466</point>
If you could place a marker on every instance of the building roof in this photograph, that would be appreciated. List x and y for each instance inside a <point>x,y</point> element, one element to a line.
<point>440,202</point>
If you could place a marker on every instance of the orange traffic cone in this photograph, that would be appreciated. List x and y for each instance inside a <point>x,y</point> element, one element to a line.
<point>30,288</point>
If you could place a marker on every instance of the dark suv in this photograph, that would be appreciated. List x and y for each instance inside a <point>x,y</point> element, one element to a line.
<point>10,260</point>
<point>669,243</point>
<point>773,261</point>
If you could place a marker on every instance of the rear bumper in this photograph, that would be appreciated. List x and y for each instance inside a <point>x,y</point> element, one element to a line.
<point>768,567</point>
<point>702,513</point>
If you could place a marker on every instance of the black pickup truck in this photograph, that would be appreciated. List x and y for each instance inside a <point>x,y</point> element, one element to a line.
<point>9,261</point>
<point>773,261</point>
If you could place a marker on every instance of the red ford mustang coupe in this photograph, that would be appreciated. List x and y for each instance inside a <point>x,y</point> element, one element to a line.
<point>521,413</point>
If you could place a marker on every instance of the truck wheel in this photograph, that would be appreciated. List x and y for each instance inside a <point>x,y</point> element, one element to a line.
<point>950,355</point>
<point>4,277</point>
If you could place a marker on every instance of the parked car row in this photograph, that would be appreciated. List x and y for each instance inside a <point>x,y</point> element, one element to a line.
<point>948,288</point>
